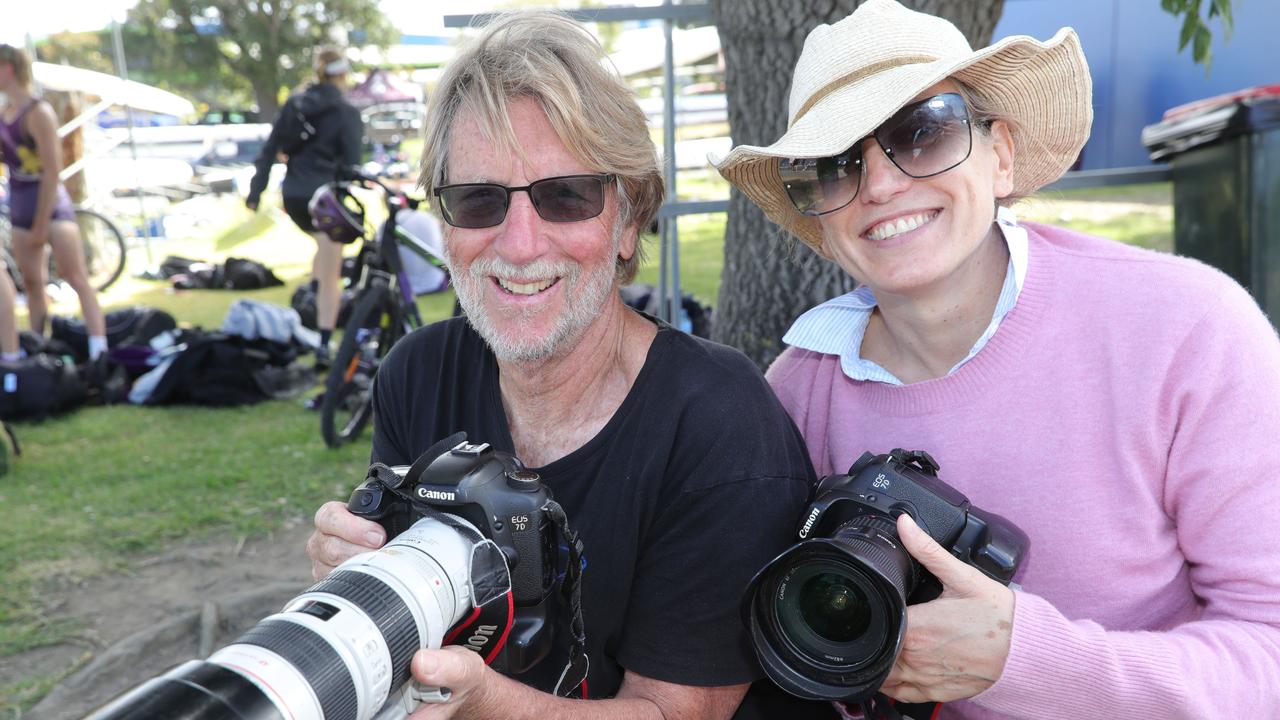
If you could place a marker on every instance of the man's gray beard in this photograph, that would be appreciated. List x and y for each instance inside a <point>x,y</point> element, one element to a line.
<point>586,291</point>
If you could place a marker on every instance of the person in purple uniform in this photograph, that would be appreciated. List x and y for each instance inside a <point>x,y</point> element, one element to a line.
<point>1120,405</point>
<point>39,208</point>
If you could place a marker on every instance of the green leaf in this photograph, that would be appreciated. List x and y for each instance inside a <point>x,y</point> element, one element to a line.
<point>1203,46</point>
<point>1189,26</point>
<point>1173,7</point>
<point>1222,8</point>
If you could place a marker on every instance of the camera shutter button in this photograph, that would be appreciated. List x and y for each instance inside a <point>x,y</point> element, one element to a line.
<point>524,480</point>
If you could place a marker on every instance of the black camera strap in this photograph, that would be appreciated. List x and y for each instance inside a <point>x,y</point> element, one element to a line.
<point>575,671</point>
<point>429,456</point>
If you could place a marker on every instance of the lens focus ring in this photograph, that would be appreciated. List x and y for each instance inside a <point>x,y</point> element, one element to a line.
<point>879,551</point>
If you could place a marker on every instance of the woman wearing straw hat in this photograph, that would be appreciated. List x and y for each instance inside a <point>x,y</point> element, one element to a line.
<point>1120,405</point>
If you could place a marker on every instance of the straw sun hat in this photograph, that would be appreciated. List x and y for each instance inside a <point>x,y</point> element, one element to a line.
<point>854,74</point>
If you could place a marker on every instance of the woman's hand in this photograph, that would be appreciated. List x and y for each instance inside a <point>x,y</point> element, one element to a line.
<point>955,645</point>
<point>340,535</point>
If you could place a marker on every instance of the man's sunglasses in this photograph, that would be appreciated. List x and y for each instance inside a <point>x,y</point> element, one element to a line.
<point>923,139</point>
<point>564,199</point>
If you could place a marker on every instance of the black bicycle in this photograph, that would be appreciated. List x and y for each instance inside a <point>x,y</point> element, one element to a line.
<point>383,312</point>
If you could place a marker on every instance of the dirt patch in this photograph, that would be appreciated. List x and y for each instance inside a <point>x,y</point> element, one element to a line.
<point>147,619</point>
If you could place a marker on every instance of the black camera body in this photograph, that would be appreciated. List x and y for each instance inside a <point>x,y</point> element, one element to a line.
<point>907,482</point>
<point>827,616</point>
<point>506,502</point>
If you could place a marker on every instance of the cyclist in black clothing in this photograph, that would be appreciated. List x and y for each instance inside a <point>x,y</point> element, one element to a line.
<point>334,144</point>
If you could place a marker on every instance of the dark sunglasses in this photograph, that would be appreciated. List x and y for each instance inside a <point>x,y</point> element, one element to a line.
<point>564,199</point>
<point>923,139</point>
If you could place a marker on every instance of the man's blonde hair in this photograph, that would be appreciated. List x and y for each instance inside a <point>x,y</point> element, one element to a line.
<point>549,58</point>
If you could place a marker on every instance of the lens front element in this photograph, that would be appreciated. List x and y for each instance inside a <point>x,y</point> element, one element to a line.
<point>833,607</point>
<point>829,613</point>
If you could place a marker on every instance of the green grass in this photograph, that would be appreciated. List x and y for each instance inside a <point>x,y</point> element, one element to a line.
<point>102,486</point>
<point>1136,214</point>
<point>701,255</point>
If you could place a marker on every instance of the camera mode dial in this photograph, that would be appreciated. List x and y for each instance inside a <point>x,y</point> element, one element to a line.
<point>524,480</point>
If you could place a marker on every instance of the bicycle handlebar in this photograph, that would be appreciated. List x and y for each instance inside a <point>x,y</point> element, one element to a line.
<point>355,174</point>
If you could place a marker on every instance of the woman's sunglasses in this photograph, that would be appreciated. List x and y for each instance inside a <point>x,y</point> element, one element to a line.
<point>569,198</point>
<point>923,139</point>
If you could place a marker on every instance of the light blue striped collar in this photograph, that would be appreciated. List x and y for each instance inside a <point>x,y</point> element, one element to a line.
<point>837,326</point>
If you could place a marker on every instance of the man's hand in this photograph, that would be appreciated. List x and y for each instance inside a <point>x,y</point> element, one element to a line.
<point>251,203</point>
<point>955,645</point>
<point>340,535</point>
<point>466,676</point>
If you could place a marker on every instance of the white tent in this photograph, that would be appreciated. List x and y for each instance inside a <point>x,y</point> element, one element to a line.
<point>111,89</point>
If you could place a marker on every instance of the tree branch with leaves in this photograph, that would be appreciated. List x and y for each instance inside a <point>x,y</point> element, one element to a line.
<point>1195,25</point>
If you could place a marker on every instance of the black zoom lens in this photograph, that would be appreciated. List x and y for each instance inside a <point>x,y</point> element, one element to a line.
<point>827,616</point>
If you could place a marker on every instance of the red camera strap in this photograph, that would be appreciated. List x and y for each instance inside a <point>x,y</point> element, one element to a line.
<point>486,629</point>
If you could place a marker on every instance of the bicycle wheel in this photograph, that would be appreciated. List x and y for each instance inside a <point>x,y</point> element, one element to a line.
<point>11,265</point>
<point>104,248</point>
<point>373,328</point>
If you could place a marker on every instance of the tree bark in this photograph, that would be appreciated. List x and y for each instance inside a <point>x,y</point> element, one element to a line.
<point>768,277</point>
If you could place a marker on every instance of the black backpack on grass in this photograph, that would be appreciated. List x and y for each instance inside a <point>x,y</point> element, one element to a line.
<point>303,301</point>
<point>128,326</point>
<point>38,386</point>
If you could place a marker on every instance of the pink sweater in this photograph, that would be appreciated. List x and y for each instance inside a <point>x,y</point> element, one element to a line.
<point>1126,415</point>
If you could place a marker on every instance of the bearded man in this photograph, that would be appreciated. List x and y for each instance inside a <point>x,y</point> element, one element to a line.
<point>670,455</point>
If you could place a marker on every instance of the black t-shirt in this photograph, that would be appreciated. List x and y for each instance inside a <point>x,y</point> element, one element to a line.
<point>696,482</point>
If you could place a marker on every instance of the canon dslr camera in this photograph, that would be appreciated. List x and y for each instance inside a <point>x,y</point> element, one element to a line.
<point>827,616</point>
<point>472,560</point>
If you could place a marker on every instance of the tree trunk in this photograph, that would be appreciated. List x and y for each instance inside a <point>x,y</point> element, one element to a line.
<point>268,100</point>
<point>768,277</point>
